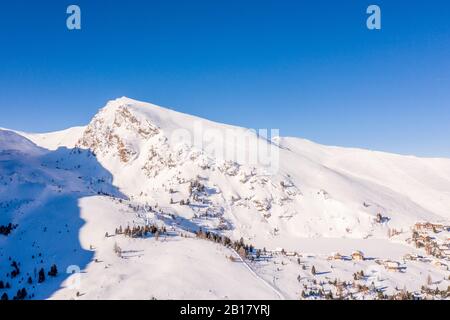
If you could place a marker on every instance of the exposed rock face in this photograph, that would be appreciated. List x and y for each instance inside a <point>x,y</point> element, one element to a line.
<point>103,134</point>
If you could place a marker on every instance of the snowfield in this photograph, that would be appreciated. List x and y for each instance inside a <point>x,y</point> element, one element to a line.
<point>215,212</point>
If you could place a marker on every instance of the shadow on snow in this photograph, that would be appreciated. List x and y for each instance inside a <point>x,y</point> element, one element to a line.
<point>49,226</point>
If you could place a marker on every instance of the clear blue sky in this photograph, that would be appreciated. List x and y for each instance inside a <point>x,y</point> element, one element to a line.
<point>310,68</point>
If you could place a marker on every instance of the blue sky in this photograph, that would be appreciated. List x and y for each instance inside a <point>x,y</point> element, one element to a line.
<point>310,68</point>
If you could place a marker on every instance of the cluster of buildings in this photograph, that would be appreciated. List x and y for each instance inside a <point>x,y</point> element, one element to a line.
<point>434,246</point>
<point>355,256</point>
<point>428,226</point>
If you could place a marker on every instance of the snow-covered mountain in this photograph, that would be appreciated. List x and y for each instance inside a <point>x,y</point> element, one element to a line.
<point>295,202</point>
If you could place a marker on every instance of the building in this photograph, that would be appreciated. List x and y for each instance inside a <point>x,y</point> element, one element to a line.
<point>410,257</point>
<point>336,256</point>
<point>440,264</point>
<point>358,256</point>
<point>427,226</point>
<point>392,266</point>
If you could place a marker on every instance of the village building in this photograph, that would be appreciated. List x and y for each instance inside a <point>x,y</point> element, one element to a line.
<point>410,257</point>
<point>358,256</point>
<point>336,256</point>
<point>440,265</point>
<point>392,266</point>
<point>427,226</point>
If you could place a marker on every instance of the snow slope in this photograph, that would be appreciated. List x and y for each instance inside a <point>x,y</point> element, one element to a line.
<point>53,197</point>
<point>168,268</point>
<point>310,199</point>
<point>315,191</point>
<point>65,138</point>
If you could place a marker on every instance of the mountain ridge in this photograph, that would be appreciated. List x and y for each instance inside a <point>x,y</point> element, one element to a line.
<point>137,162</point>
<point>114,103</point>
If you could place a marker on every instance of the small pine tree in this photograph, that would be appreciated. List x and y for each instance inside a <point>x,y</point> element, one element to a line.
<point>313,270</point>
<point>21,294</point>
<point>53,271</point>
<point>41,276</point>
<point>429,280</point>
<point>117,250</point>
<point>4,297</point>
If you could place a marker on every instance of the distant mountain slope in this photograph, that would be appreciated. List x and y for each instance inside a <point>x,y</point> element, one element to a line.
<point>53,140</point>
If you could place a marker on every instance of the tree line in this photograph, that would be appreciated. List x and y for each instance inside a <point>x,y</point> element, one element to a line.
<point>141,231</point>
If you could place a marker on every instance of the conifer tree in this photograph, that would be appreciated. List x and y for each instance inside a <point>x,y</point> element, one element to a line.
<point>313,270</point>
<point>41,276</point>
<point>53,271</point>
<point>429,280</point>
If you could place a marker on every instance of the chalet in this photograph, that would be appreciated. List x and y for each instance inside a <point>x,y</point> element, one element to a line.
<point>440,264</point>
<point>422,241</point>
<point>427,226</point>
<point>336,256</point>
<point>424,238</point>
<point>433,249</point>
<point>358,256</point>
<point>392,265</point>
<point>410,257</point>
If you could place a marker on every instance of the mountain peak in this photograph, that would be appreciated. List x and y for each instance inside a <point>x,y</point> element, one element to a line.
<point>129,102</point>
<point>126,100</point>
